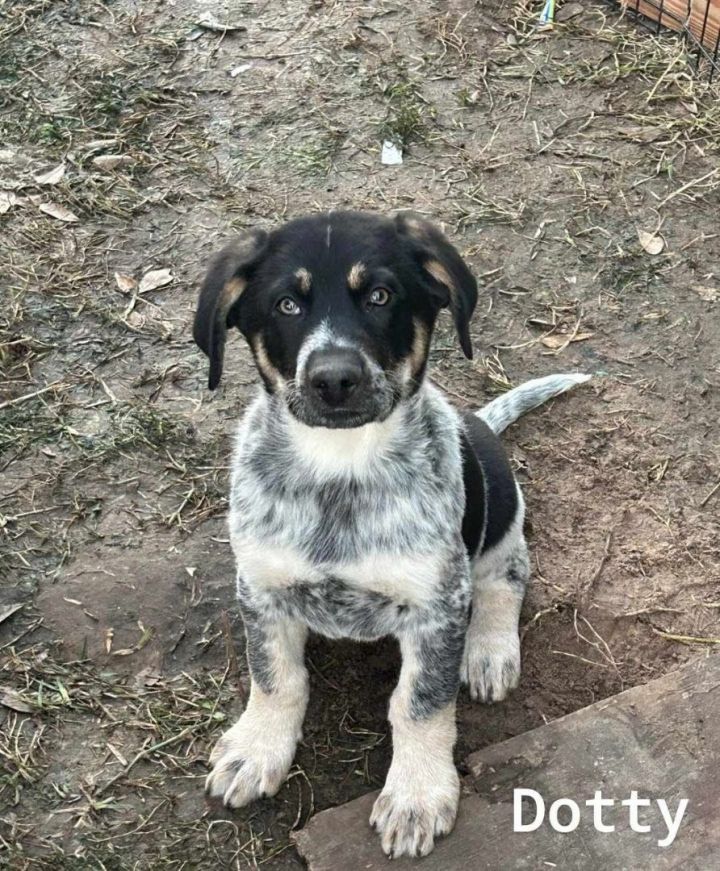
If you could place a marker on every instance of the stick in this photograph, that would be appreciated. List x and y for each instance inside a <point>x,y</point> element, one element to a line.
<point>710,495</point>
<point>685,639</point>
<point>141,755</point>
<point>231,655</point>
<point>19,399</point>
<point>687,185</point>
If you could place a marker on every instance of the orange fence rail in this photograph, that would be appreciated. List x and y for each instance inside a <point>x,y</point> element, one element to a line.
<point>700,17</point>
<point>699,20</point>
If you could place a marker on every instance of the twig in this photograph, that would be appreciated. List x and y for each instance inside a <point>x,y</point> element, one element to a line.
<point>659,610</point>
<point>231,654</point>
<point>710,495</point>
<point>601,565</point>
<point>581,658</point>
<point>685,639</point>
<point>141,755</point>
<point>687,185</point>
<point>553,609</point>
<point>26,396</point>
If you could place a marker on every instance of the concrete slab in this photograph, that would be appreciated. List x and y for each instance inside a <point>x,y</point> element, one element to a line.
<point>661,740</point>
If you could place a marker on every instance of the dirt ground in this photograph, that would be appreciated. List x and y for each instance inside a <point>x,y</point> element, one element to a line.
<point>577,170</point>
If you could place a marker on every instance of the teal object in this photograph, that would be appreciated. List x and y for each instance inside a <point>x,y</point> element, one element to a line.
<point>547,16</point>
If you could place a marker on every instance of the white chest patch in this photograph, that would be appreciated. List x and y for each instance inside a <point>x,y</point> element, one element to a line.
<point>268,566</point>
<point>407,580</point>
<point>343,452</point>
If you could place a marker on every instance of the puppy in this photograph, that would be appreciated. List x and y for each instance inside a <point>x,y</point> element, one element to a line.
<point>362,503</point>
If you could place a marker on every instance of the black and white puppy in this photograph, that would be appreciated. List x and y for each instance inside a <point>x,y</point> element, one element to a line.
<point>362,503</point>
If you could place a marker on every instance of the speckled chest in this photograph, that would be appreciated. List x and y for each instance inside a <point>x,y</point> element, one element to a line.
<point>351,555</point>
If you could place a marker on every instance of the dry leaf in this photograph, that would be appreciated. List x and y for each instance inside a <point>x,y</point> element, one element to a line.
<point>208,22</point>
<point>148,318</point>
<point>7,611</point>
<point>109,632</point>
<point>111,161</point>
<point>147,634</point>
<point>147,677</point>
<point>30,199</point>
<point>651,242</point>
<point>135,320</point>
<point>709,294</point>
<point>125,283</point>
<point>154,279</point>
<point>557,340</point>
<point>100,145</point>
<point>59,212</point>
<point>7,201</point>
<point>116,753</point>
<point>13,700</point>
<point>51,177</point>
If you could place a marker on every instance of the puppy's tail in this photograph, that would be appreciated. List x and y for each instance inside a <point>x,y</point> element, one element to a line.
<point>506,409</point>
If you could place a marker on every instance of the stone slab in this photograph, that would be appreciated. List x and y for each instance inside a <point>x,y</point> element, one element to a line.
<point>661,739</point>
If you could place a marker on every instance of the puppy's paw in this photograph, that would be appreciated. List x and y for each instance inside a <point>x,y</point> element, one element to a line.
<point>249,762</point>
<point>491,666</point>
<point>413,810</point>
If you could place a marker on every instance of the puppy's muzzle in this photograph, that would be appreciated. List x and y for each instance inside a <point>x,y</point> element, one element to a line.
<point>337,377</point>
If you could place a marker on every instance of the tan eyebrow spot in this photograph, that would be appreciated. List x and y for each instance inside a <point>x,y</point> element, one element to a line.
<point>304,279</point>
<point>356,276</point>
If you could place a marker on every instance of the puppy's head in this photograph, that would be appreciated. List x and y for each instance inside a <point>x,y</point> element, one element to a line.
<point>338,310</point>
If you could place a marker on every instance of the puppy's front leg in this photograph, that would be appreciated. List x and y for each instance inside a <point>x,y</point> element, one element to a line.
<point>253,757</point>
<point>420,797</point>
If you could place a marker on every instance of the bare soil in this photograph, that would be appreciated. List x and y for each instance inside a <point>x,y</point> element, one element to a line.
<point>547,155</point>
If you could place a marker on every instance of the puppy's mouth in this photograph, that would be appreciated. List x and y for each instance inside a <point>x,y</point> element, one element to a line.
<point>374,406</point>
<point>314,414</point>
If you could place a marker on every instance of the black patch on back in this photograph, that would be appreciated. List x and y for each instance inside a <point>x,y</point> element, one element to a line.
<point>473,522</point>
<point>489,483</point>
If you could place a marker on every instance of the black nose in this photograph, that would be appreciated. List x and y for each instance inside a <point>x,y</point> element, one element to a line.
<point>335,375</point>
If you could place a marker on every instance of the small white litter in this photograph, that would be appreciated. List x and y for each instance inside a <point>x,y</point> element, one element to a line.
<point>243,68</point>
<point>391,154</point>
<point>7,201</point>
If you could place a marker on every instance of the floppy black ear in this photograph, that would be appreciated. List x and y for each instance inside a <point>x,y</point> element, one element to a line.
<point>452,280</point>
<point>222,288</point>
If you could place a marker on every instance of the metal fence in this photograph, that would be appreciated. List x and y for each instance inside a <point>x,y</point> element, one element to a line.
<point>698,23</point>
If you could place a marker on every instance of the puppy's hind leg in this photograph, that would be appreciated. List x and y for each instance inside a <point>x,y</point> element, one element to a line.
<point>491,663</point>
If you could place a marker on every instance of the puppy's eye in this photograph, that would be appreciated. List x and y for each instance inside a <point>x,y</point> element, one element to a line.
<point>379,296</point>
<point>288,306</point>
